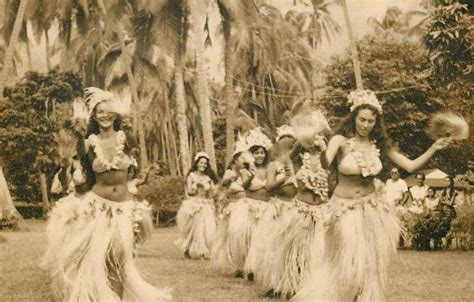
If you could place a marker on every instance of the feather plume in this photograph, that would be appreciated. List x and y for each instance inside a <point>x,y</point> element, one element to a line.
<point>66,144</point>
<point>306,125</point>
<point>448,124</point>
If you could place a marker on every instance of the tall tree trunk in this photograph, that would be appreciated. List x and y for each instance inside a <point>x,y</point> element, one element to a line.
<point>44,192</point>
<point>355,56</point>
<point>136,101</point>
<point>7,208</point>
<point>181,109</point>
<point>47,50</point>
<point>8,61</point>
<point>202,84</point>
<point>228,95</point>
<point>28,48</point>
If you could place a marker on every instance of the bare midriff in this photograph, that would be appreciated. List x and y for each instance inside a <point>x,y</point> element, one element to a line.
<point>307,196</point>
<point>285,192</point>
<point>112,185</point>
<point>354,186</point>
<point>260,194</point>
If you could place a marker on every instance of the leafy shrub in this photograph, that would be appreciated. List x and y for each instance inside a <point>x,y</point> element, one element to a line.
<point>164,193</point>
<point>462,228</point>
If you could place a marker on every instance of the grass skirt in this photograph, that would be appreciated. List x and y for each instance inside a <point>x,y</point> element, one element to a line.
<point>261,247</point>
<point>361,237</point>
<point>236,225</point>
<point>197,226</point>
<point>290,248</point>
<point>91,244</point>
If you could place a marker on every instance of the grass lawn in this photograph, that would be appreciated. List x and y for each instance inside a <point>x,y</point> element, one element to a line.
<point>415,276</point>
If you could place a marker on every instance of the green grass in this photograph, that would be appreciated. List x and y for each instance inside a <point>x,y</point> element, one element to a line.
<point>415,276</point>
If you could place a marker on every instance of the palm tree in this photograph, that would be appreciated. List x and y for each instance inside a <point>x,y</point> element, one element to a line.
<point>354,54</point>
<point>8,60</point>
<point>198,12</point>
<point>398,21</point>
<point>171,24</point>
<point>238,14</point>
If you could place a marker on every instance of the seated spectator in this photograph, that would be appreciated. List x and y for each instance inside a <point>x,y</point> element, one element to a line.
<point>418,192</point>
<point>431,201</point>
<point>449,194</point>
<point>396,189</point>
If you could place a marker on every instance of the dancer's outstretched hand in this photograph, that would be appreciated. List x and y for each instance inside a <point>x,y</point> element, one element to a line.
<point>442,143</point>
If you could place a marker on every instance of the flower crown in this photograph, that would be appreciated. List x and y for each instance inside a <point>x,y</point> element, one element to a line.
<point>94,96</point>
<point>80,111</point>
<point>360,97</point>
<point>254,137</point>
<point>284,130</point>
<point>199,155</point>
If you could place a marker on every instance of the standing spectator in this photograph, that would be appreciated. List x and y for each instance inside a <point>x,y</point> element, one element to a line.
<point>396,189</point>
<point>419,191</point>
<point>449,194</point>
<point>431,201</point>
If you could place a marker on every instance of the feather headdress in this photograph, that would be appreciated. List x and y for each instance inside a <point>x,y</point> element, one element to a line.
<point>448,124</point>
<point>307,125</point>
<point>66,144</point>
<point>94,96</point>
<point>240,145</point>
<point>284,130</point>
<point>121,103</point>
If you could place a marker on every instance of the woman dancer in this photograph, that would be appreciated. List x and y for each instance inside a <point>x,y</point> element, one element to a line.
<point>293,233</point>
<point>196,219</point>
<point>362,230</point>
<point>246,184</point>
<point>91,238</point>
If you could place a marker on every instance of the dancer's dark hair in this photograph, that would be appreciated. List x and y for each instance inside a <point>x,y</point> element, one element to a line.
<point>209,172</point>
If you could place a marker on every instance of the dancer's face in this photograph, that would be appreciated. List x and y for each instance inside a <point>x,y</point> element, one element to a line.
<point>365,122</point>
<point>103,116</point>
<point>202,164</point>
<point>259,156</point>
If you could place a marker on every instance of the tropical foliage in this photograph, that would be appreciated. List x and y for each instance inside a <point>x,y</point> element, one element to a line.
<point>28,126</point>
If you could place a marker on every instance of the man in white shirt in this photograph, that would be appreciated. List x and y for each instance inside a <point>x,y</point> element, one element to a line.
<point>396,189</point>
<point>420,190</point>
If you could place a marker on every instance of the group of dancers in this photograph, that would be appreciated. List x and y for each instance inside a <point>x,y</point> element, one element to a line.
<point>274,218</point>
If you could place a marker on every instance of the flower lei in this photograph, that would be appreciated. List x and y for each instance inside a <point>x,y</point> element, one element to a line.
<point>366,168</point>
<point>100,157</point>
<point>317,181</point>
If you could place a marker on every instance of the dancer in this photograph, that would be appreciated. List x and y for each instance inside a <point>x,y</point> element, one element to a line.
<point>293,232</point>
<point>196,216</point>
<point>239,218</point>
<point>91,238</point>
<point>362,230</point>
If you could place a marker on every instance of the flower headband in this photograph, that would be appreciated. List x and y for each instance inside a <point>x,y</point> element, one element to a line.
<point>361,97</point>
<point>201,154</point>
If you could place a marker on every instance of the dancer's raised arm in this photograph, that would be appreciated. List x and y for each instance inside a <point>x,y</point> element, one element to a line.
<point>411,165</point>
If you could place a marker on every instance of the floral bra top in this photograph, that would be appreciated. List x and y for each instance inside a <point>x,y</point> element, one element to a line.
<point>120,160</point>
<point>315,181</point>
<point>356,162</point>
<point>203,180</point>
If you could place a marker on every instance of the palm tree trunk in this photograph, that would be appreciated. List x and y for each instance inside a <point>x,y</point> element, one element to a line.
<point>136,101</point>
<point>181,109</point>
<point>44,192</point>
<point>228,95</point>
<point>355,56</point>
<point>202,83</point>
<point>47,50</point>
<point>28,47</point>
<point>7,62</point>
